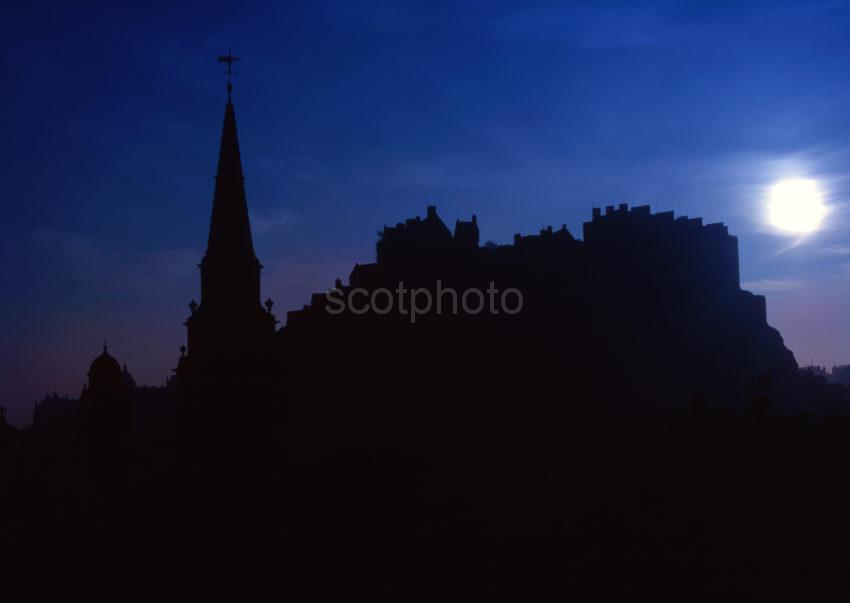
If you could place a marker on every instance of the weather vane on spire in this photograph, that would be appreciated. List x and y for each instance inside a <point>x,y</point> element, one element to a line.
<point>228,59</point>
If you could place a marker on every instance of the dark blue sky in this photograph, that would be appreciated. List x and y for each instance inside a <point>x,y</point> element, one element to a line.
<point>356,114</point>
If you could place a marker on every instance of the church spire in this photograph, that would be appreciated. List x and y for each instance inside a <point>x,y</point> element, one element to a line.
<point>230,229</point>
<point>229,318</point>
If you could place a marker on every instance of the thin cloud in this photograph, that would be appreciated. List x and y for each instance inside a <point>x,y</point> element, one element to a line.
<point>274,221</point>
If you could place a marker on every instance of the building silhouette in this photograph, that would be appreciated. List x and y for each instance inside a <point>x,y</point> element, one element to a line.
<point>839,374</point>
<point>637,395</point>
<point>230,317</point>
<point>225,369</point>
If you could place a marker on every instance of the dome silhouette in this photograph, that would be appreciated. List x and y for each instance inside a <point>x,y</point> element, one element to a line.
<point>105,373</point>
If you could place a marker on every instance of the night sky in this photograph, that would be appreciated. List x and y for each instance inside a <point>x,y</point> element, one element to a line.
<point>352,115</point>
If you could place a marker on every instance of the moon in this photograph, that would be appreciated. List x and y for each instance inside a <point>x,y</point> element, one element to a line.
<point>796,206</point>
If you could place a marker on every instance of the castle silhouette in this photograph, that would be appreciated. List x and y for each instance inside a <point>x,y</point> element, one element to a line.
<point>635,293</point>
<point>463,446</point>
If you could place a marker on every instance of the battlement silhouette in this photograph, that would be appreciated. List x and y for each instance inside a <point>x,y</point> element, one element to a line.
<point>624,251</point>
<point>622,220</point>
<point>420,238</point>
<point>703,254</point>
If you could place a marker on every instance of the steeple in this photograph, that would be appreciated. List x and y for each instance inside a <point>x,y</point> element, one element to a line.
<point>230,271</point>
<point>229,318</point>
<point>230,229</point>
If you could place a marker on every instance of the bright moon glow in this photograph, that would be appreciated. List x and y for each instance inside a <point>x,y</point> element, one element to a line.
<point>796,206</point>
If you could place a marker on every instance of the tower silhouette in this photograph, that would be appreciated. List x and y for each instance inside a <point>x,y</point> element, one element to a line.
<point>230,334</point>
<point>230,318</point>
